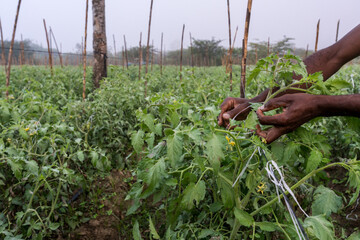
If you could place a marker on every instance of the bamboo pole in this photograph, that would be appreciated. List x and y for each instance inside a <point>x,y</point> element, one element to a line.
<point>126,54</point>
<point>2,48</point>
<point>48,44</point>
<point>152,55</point>
<point>337,30</point>
<point>140,56</point>
<point>181,52</point>
<point>84,51</point>
<point>147,46</point>
<point>317,35</point>
<point>161,54</point>
<point>57,49</point>
<point>114,49</point>
<point>192,54</point>
<point>229,62</point>
<point>10,51</point>
<point>245,41</point>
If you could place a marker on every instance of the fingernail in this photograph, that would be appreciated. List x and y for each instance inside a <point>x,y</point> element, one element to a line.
<point>261,108</point>
<point>226,116</point>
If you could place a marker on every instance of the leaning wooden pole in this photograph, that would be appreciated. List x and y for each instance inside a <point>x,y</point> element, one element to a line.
<point>11,50</point>
<point>48,44</point>
<point>3,60</point>
<point>192,54</point>
<point>140,56</point>
<point>181,51</point>
<point>161,54</point>
<point>115,49</point>
<point>57,48</point>
<point>230,45</point>
<point>126,54</point>
<point>337,30</point>
<point>152,54</point>
<point>317,35</point>
<point>244,56</point>
<point>22,55</point>
<point>84,51</point>
<point>148,46</point>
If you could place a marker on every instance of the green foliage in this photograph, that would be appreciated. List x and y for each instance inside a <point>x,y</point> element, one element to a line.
<point>319,227</point>
<point>325,202</point>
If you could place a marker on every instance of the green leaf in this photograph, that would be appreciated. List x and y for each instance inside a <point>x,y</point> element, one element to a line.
<point>149,122</point>
<point>16,167</point>
<point>325,201</point>
<point>154,176</point>
<point>137,140</point>
<point>136,231</point>
<point>354,236</point>
<point>267,226</point>
<point>243,217</point>
<point>32,167</point>
<point>53,226</point>
<point>214,152</point>
<point>80,156</point>
<point>174,148</point>
<point>319,227</point>
<point>193,192</point>
<point>226,192</point>
<point>314,160</point>
<point>205,233</point>
<point>23,134</point>
<point>153,231</point>
<point>195,135</point>
<point>251,120</point>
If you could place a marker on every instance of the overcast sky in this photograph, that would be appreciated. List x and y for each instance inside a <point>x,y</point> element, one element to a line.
<point>203,18</point>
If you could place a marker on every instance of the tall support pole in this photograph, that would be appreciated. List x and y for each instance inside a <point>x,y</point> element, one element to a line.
<point>181,51</point>
<point>230,45</point>
<point>148,46</point>
<point>126,54</point>
<point>245,41</point>
<point>307,50</point>
<point>2,48</point>
<point>140,56</point>
<point>99,42</point>
<point>161,54</point>
<point>115,49</point>
<point>22,55</point>
<point>317,35</point>
<point>337,30</point>
<point>84,51</point>
<point>152,54</point>
<point>57,48</point>
<point>11,49</point>
<point>268,47</point>
<point>192,54</point>
<point>48,44</point>
<point>123,57</point>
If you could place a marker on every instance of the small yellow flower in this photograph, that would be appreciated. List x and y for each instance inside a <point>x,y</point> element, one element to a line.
<point>227,138</point>
<point>9,139</point>
<point>232,143</point>
<point>263,140</point>
<point>71,116</point>
<point>63,120</point>
<point>11,97</point>
<point>27,129</point>
<point>261,187</point>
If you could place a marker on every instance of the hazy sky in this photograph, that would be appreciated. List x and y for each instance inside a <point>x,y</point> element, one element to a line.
<point>203,18</point>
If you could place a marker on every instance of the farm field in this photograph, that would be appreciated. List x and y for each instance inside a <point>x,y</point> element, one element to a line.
<point>121,165</point>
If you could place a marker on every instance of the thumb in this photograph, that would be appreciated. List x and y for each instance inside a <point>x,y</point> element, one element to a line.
<point>239,113</point>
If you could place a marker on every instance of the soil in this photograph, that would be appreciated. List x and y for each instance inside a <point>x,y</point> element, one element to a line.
<point>111,222</point>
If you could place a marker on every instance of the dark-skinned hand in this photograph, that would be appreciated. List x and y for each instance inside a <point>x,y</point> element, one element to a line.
<point>230,107</point>
<point>298,108</point>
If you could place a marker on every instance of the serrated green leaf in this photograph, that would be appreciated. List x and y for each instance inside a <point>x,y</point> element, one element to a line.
<point>16,167</point>
<point>266,226</point>
<point>149,122</point>
<point>325,201</point>
<point>205,233</point>
<point>53,226</point>
<point>32,167</point>
<point>23,134</point>
<point>136,231</point>
<point>153,231</point>
<point>80,156</point>
<point>137,140</point>
<point>174,148</point>
<point>195,135</point>
<point>251,120</point>
<point>354,236</point>
<point>320,227</point>
<point>193,192</point>
<point>314,160</point>
<point>226,192</point>
<point>243,217</point>
<point>214,151</point>
<point>158,129</point>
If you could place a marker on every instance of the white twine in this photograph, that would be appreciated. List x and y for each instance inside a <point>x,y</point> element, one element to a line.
<point>270,167</point>
<point>243,170</point>
<point>348,217</point>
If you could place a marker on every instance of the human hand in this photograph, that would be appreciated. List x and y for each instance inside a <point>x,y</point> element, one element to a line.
<point>233,107</point>
<point>297,109</point>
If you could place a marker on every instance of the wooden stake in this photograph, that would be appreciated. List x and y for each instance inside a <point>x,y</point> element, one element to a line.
<point>181,51</point>
<point>84,52</point>
<point>48,44</point>
<point>22,55</point>
<point>10,51</point>
<point>268,47</point>
<point>152,55</point>
<point>317,35</point>
<point>161,54</point>
<point>2,48</point>
<point>229,62</point>
<point>307,50</point>
<point>147,46</point>
<point>192,54</point>
<point>114,49</point>
<point>57,48</point>
<point>245,41</point>
<point>126,54</point>
<point>123,57</point>
<point>337,30</point>
<point>140,56</point>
